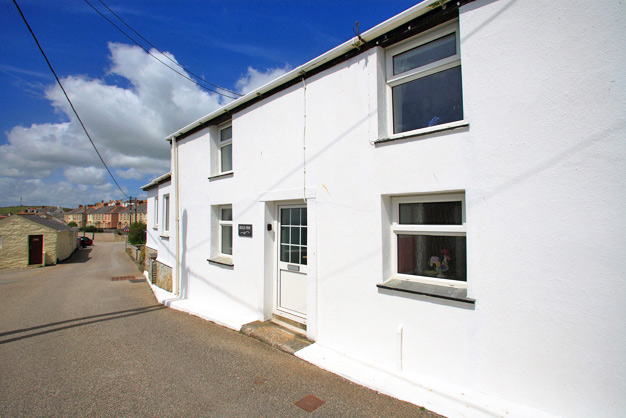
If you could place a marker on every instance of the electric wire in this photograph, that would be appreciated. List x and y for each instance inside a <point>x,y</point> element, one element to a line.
<point>155,57</point>
<point>67,97</point>
<point>162,53</point>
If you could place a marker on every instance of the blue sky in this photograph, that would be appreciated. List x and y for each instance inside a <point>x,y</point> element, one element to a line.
<point>128,100</point>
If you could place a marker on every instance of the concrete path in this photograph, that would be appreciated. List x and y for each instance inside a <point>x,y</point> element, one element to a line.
<point>75,342</point>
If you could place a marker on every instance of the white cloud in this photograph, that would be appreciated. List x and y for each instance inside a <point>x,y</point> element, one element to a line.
<point>255,78</point>
<point>49,162</point>
<point>86,175</point>
<point>128,125</point>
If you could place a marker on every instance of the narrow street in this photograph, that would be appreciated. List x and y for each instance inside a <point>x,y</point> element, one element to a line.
<point>74,342</point>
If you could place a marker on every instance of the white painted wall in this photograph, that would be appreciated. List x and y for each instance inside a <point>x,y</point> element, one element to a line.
<point>543,166</point>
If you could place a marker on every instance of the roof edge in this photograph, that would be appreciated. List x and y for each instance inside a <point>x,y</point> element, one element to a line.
<point>352,43</point>
<point>157,181</point>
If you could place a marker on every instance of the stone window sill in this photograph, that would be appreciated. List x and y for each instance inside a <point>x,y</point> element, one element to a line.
<point>442,292</point>
<point>222,175</point>
<point>424,131</point>
<point>222,261</point>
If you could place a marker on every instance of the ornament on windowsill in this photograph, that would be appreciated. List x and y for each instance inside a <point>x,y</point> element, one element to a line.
<point>440,265</point>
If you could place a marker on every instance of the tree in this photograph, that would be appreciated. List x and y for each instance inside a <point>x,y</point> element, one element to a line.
<point>72,224</point>
<point>137,233</point>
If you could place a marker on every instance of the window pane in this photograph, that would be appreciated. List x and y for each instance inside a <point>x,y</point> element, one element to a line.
<point>434,213</point>
<point>284,253</point>
<point>284,216</point>
<point>295,235</point>
<point>227,239</point>
<point>303,255</point>
<point>284,235</point>
<point>226,134</point>
<point>303,216</point>
<point>294,254</point>
<point>428,101</point>
<point>227,214</point>
<point>303,236</point>
<point>433,256</point>
<point>425,54</point>
<point>226,156</point>
<point>295,216</point>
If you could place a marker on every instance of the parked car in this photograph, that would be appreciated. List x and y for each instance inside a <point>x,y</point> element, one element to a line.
<point>84,241</point>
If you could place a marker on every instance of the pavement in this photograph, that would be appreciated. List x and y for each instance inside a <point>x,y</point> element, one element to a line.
<point>87,338</point>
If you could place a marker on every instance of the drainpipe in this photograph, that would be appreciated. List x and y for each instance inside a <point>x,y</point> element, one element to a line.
<point>176,215</point>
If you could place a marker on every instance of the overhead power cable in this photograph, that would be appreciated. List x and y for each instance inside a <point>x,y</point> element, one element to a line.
<point>162,53</point>
<point>236,95</point>
<point>67,97</point>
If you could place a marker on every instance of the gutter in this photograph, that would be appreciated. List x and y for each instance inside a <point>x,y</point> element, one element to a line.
<point>297,73</point>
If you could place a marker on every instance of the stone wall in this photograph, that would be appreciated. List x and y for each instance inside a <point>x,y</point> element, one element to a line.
<point>164,276</point>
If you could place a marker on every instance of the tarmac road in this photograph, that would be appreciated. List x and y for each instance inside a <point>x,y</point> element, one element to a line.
<point>75,343</point>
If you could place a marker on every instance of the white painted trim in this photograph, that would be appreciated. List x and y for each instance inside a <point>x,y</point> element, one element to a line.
<point>287,194</point>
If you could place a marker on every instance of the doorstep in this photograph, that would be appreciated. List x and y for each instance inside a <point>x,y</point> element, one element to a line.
<point>276,336</point>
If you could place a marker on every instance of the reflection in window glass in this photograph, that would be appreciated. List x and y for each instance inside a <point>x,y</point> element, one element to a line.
<point>425,54</point>
<point>432,256</point>
<point>428,101</point>
<point>431,213</point>
<point>227,239</point>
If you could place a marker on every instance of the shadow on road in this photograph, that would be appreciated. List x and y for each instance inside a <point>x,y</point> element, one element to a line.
<point>82,255</point>
<point>101,318</point>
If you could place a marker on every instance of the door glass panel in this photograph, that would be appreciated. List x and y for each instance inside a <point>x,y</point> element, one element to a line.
<point>295,235</point>
<point>295,254</point>
<point>303,236</point>
<point>284,217</point>
<point>284,235</point>
<point>303,211</point>
<point>303,255</point>
<point>295,216</point>
<point>284,253</point>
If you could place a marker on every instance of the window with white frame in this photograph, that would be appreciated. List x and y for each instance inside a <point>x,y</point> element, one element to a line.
<point>428,239</point>
<point>225,147</point>
<point>166,213</point>
<point>156,212</point>
<point>226,231</point>
<point>424,80</point>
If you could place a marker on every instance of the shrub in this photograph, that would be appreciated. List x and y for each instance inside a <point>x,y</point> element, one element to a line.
<point>137,233</point>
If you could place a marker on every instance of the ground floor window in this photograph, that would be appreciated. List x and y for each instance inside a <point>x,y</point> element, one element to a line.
<point>428,235</point>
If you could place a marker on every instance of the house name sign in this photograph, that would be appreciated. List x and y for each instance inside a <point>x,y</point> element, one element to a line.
<point>245,230</point>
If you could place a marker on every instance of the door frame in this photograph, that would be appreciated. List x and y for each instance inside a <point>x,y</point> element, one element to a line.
<point>271,200</point>
<point>302,269</point>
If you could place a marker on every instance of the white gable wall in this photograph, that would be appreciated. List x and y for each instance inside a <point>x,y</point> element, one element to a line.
<point>542,165</point>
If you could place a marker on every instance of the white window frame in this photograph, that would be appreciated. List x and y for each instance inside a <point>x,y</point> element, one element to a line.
<point>420,72</point>
<point>166,213</point>
<point>156,213</point>
<point>222,222</point>
<point>436,230</point>
<point>223,144</point>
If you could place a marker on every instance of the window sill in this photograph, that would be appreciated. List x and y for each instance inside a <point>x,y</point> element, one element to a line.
<point>424,131</point>
<point>167,237</point>
<point>222,175</point>
<point>155,228</point>
<point>442,292</point>
<point>222,261</point>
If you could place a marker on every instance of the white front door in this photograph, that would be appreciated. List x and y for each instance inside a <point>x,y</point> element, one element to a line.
<point>291,285</point>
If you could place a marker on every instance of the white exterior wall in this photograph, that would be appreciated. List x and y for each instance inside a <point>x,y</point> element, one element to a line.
<point>157,237</point>
<point>543,167</point>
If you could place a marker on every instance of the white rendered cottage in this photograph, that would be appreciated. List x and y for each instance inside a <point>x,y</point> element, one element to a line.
<point>438,204</point>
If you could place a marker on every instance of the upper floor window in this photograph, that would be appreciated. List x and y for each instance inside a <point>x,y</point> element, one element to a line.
<point>156,212</point>
<point>424,80</point>
<point>225,146</point>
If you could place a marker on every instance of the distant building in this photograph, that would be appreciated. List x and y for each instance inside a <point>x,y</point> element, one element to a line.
<point>32,240</point>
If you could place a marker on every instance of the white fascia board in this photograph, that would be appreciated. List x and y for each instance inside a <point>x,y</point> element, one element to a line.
<point>376,31</point>
<point>156,181</point>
